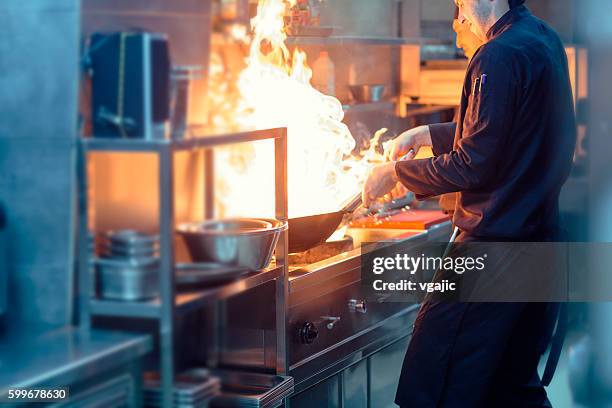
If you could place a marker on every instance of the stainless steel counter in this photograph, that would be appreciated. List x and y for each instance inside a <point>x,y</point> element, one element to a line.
<point>324,272</point>
<point>66,356</point>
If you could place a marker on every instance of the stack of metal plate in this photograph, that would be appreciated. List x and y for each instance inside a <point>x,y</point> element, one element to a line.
<point>251,390</point>
<point>192,389</point>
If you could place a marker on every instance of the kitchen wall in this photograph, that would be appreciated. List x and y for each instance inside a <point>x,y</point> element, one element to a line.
<point>436,16</point>
<point>38,122</point>
<point>361,17</point>
<point>368,18</point>
<point>560,14</point>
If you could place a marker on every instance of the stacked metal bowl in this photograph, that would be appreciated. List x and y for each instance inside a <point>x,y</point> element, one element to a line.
<point>129,266</point>
<point>242,242</point>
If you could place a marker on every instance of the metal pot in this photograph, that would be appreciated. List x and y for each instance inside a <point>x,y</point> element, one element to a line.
<point>244,242</point>
<point>131,239</point>
<point>367,93</point>
<point>128,279</point>
<point>126,252</point>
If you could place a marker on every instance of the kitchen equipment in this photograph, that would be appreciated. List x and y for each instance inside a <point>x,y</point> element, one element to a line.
<point>241,389</point>
<point>130,74</point>
<point>197,274</point>
<point>181,80</point>
<point>244,242</point>
<point>386,208</point>
<point>132,238</point>
<point>129,244</point>
<point>122,252</point>
<point>128,279</point>
<point>324,74</point>
<point>310,231</point>
<point>410,219</point>
<point>367,93</point>
<point>335,322</point>
<point>191,388</point>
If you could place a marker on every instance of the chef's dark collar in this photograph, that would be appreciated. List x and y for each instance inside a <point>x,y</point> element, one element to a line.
<point>511,16</point>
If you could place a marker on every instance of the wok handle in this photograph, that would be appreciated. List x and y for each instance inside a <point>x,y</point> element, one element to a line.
<point>353,204</point>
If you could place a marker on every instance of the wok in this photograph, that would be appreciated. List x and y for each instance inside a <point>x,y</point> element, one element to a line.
<point>310,231</point>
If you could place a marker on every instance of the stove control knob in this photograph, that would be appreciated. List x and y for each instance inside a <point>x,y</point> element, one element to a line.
<point>358,306</point>
<point>308,333</point>
<point>330,321</point>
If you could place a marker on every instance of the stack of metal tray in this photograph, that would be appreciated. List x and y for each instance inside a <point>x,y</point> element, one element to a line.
<point>240,389</point>
<point>192,389</point>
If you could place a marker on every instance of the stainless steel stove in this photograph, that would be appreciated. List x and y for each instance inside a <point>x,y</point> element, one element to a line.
<point>330,323</point>
<point>336,340</point>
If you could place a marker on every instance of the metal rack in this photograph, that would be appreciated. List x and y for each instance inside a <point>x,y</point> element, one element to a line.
<point>362,40</point>
<point>169,304</point>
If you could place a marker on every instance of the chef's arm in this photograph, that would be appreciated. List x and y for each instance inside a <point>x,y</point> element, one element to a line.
<point>486,127</point>
<point>442,137</point>
<point>467,168</point>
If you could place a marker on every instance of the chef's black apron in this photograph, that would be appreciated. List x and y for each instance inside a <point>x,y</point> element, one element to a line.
<point>468,355</point>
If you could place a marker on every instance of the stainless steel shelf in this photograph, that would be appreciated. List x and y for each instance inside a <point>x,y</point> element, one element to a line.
<point>65,355</point>
<point>149,310</point>
<point>188,300</point>
<point>360,40</point>
<point>200,140</point>
<point>184,301</point>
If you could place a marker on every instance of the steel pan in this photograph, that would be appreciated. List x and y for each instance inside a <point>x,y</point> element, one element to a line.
<point>310,231</point>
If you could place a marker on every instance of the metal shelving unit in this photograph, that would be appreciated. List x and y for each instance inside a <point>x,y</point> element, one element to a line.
<point>184,301</point>
<point>361,40</point>
<point>169,303</point>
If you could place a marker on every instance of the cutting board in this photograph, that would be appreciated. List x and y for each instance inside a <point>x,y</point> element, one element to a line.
<point>410,219</point>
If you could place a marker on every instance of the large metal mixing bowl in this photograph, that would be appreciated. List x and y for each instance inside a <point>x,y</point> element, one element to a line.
<point>244,242</point>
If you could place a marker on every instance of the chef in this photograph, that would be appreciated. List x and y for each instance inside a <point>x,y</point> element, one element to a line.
<point>507,157</point>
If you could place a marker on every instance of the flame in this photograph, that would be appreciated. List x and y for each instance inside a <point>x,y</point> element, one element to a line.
<point>274,90</point>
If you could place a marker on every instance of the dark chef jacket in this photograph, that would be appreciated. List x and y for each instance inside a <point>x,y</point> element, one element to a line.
<point>512,148</point>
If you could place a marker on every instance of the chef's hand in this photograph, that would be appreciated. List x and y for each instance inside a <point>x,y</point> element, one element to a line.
<point>407,145</point>
<point>381,180</point>
<point>399,192</point>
